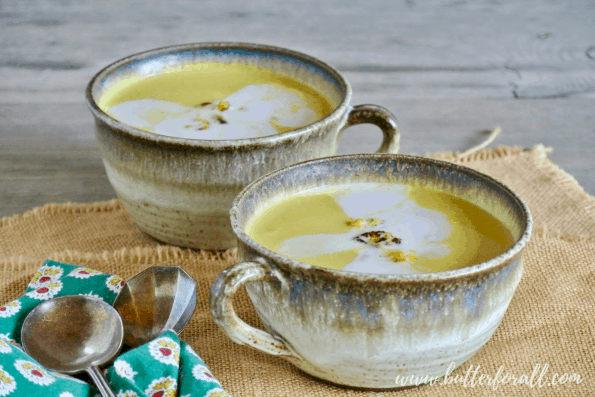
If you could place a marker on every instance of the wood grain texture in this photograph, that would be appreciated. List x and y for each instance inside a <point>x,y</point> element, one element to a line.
<point>447,69</point>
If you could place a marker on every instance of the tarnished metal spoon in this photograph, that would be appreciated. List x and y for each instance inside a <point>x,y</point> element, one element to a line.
<point>75,333</point>
<point>156,300</point>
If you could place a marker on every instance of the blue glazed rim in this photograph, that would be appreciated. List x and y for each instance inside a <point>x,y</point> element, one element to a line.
<point>409,161</point>
<point>193,50</point>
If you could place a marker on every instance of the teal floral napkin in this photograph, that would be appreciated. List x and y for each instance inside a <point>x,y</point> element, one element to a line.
<point>164,367</point>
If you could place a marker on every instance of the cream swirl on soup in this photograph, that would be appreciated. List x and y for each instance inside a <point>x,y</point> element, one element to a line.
<point>382,228</point>
<point>388,232</point>
<point>253,111</point>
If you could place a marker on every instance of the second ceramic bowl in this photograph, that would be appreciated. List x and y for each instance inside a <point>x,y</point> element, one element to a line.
<point>360,329</point>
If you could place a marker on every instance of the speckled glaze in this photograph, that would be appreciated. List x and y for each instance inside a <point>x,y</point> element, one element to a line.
<point>363,330</point>
<point>180,190</point>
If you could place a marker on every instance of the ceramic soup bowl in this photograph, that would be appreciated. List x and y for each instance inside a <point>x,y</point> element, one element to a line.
<point>180,190</point>
<point>359,329</point>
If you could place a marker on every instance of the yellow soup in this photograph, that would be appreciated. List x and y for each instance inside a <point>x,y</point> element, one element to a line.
<point>215,101</point>
<point>380,228</point>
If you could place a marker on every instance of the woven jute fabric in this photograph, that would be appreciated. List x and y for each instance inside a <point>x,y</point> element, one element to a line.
<point>546,336</point>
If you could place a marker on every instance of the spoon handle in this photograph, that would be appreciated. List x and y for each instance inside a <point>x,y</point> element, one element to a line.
<point>100,382</point>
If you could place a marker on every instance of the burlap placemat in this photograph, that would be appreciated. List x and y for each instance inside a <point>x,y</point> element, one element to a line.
<point>547,335</point>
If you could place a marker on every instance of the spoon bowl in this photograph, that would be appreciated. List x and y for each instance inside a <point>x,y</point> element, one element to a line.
<point>75,333</point>
<point>156,300</point>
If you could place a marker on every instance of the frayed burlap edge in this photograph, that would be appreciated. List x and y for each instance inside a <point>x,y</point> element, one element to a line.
<point>140,255</point>
<point>485,154</point>
<point>67,208</point>
<point>571,188</point>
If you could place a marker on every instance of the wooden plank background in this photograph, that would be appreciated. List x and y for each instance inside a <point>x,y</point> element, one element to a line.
<point>448,69</point>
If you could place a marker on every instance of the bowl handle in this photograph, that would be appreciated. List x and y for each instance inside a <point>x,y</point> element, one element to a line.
<point>383,118</point>
<point>222,292</point>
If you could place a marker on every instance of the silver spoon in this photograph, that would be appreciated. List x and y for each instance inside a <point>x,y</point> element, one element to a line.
<point>156,300</point>
<point>75,333</point>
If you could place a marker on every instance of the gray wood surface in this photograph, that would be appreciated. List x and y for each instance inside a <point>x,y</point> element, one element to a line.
<point>449,70</point>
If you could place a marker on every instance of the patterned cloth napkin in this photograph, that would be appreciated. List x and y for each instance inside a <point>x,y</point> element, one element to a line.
<point>164,367</point>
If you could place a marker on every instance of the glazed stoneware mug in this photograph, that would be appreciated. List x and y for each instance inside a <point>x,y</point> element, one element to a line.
<point>359,329</point>
<point>180,190</point>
